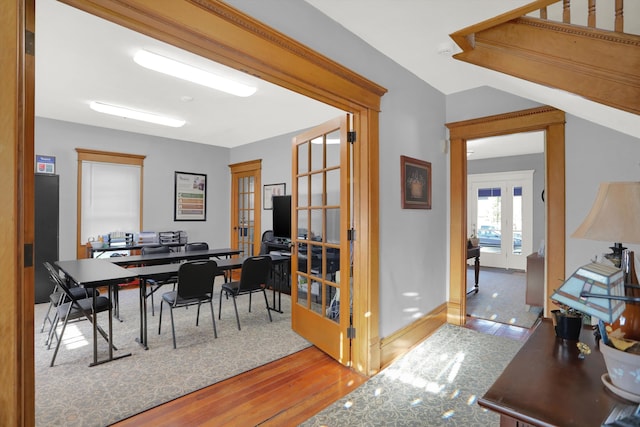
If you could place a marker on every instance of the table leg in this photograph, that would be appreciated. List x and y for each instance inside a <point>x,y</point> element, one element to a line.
<point>477,272</point>
<point>142,340</point>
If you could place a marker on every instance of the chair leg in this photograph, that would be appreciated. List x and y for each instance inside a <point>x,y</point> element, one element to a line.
<point>46,317</point>
<point>213,318</point>
<point>250,293</point>
<point>198,314</point>
<point>220,305</point>
<point>153,310</point>
<point>266,304</point>
<point>173,329</point>
<point>235,306</point>
<point>55,352</point>
<point>160,317</point>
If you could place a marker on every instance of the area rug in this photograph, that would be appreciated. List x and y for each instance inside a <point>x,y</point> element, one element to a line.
<point>501,298</point>
<point>73,394</point>
<point>438,383</point>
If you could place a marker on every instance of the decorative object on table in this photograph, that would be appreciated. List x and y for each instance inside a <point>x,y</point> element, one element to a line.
<point>567,323</point>
<point>270,190</point>
<point>614,216</point>
<point>415,183</point>
<point>584,349</point>
<point>190,197</point>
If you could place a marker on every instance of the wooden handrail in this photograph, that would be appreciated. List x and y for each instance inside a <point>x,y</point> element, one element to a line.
<point>465,37</point>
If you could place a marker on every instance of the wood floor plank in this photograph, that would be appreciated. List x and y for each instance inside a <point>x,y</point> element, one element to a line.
<point>283,392</point>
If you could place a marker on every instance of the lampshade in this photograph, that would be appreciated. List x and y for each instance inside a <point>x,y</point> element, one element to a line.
<point>592,289</point>
<point>615,214</point>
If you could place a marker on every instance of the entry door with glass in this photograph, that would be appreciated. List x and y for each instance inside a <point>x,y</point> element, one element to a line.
<point>501,216</point>
<point>320,260</point>
<point>246,206</point>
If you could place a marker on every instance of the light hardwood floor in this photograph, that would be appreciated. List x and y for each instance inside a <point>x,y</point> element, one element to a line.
<point>282,393</point>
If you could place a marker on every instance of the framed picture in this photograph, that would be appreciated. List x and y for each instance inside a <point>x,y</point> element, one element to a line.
<point>415,183</point>
<point>271,190</point>
<point>190,199</point>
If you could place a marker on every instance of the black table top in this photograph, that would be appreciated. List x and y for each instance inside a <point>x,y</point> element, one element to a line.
<point>172,269</point>
<point>165,258</point>
<point>94,272</point>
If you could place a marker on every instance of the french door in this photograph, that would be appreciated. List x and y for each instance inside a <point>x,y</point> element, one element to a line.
<point>246,206</point>
<point>321,253</point>
<point>501,216</point>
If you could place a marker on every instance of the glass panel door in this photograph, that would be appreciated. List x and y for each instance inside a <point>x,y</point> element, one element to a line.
<point>320,252</point>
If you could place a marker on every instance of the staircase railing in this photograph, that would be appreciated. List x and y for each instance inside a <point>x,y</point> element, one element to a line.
<point>584,12</point>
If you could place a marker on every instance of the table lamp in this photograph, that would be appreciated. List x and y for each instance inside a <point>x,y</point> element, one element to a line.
<point>614,217</point>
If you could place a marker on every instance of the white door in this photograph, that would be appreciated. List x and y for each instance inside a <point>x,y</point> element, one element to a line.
<point>501,216</point>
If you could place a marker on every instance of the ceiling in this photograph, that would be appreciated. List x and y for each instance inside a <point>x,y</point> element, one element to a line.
<point>71,71</point>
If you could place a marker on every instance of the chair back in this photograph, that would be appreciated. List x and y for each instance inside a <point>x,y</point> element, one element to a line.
<point>196,278</point>
<point>155,249</point>
<point>255,273</point>
<point>267,236</point>
<point>196,246</point>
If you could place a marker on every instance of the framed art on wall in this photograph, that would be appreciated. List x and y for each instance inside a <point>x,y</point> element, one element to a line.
<point>271,190</point>
<point>415,183</point>
<point>190,197</point>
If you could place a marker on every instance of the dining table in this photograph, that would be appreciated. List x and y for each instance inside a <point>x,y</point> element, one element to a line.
<point>94,273</point>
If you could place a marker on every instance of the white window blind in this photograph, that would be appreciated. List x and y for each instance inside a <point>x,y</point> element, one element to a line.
<point>110,198</point>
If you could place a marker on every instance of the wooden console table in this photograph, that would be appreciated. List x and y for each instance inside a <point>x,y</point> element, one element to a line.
<point>474,252</point>
<point>547,385</point>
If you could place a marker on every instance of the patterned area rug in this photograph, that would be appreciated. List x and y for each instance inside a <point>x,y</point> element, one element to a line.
<point>73,394</point>
<point>437,383</point>
<point>501,298</point>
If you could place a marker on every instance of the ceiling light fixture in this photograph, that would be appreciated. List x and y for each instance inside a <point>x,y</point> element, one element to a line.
<point>165,65</point>
<point>135,114</point>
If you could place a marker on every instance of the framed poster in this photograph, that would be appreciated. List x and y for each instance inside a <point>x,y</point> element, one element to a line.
<point>190,202</point>
<point>271,190</point>
<point>416,183</point>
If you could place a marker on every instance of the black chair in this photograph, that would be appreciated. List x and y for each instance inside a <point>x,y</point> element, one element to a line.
<point>196,246</point>
<point>195,286</point>
<point>75,309</point>
<point>154,285</point>
<point>267,237</point>
<point>58,297</point>
<point>253,278</point>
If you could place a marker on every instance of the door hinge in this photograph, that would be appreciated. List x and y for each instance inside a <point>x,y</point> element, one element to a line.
<point>351,332</point>
<point>30,43</point>
<point>351,235</point>
<point>351,136</point>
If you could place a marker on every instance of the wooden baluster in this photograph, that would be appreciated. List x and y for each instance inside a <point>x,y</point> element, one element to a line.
<point>591,20</point>
<point>543,13</point>
<point>619,19</point>
<point>566,11</point>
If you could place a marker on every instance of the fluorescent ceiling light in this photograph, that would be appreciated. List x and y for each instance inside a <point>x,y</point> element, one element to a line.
<point>135,114</point>
<point>183,71</point>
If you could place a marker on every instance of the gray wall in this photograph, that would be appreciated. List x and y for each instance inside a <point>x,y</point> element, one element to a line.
<point>164,157</point>
<point>594,154</point>
<point>533,162</point>
<point>413,251</point>
<point>413,243</point>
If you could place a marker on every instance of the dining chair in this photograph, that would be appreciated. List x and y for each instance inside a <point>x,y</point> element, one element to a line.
<point>195,286</point>
<point>253,278</point>
<point>196,246</point>
<point>154,285</point>
<point>75,309</point>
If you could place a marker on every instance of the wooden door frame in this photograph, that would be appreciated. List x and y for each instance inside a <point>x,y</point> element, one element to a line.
<point>254,167</point>
<point>219,32</point>
<point>552,122</point>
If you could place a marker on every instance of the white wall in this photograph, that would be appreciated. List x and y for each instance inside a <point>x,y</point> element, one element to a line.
<point>164,157</point>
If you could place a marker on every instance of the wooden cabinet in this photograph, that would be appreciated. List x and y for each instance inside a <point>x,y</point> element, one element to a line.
<point>535,280</point>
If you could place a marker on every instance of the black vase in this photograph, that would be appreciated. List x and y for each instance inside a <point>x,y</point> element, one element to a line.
<point>567,327</point>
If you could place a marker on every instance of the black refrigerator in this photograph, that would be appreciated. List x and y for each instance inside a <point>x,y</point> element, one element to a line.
<point>47,208</point>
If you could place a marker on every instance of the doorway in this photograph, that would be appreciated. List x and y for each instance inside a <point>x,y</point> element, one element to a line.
<point>501,216</point>
<point>246,206</point>
<point>547,119</point>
